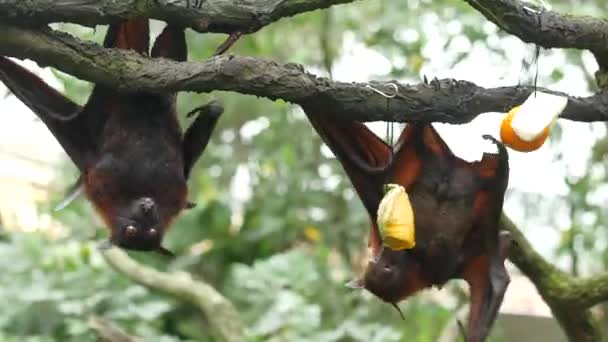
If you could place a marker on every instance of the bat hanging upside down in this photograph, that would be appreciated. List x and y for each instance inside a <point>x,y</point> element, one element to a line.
<point>129,147</point>
<point>456,206</point>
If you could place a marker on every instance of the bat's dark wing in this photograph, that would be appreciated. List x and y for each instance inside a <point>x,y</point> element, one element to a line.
<point>129,35</point>
<point>486,273</point>
<point>198,134</point>
<point>58,113</point>
<point>415,141</point>
<point>364,157</point>
<point>172,44</point>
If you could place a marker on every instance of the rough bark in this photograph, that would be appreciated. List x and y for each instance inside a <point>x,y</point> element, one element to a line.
<point>546,28</point>
<point>224,319</point>
<point>550,29</point>
<point>450,101</point>
<point>221,16</point>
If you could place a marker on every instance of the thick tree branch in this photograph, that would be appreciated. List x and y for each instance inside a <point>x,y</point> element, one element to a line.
<point>568,297</point>
<point>223,318</point>
<point>222,16</point>
<point>550,29</point>
<point>546,28</point>
<point>453,102</point>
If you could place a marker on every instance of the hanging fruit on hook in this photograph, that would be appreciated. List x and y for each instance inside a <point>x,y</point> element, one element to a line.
<point>526,127</point>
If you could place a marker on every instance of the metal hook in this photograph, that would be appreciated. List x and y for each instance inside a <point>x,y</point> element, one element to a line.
<point>543,8</point>
<point>393,85</point>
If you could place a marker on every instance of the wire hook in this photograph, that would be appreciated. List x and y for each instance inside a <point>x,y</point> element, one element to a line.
<point>391,85</point>
<point>543,7</point>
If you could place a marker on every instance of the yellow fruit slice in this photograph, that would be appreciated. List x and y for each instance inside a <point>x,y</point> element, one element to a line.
<point>396,219</point>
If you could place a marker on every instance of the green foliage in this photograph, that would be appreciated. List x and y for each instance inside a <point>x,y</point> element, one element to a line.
<point>300,296</point>
<point>50,288</point>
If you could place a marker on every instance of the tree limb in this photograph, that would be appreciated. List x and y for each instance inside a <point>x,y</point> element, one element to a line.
<point>221,16</point>
<point>223,318</point>
<point>449,101</point>
<point>546,28</point>
<point>569,298</point>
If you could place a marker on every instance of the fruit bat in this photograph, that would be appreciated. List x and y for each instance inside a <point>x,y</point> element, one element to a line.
<point>456,206</point>
<point>133,158</point>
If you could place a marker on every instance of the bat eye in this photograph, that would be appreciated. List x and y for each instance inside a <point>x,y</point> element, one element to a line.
<point>131,230</point>
<point>152,231</point>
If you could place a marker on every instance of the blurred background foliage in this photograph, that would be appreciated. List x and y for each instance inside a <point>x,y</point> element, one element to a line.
<point>278,229</point>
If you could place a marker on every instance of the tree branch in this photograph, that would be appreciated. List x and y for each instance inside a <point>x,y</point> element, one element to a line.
<point>568,297</point>
<point>548,29</point>
<point>221,16</point>
<point>223,318</point>
<point>453,101</point>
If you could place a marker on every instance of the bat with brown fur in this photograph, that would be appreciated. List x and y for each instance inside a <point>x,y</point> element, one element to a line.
<point>133,157</point>
<point>456,205</point>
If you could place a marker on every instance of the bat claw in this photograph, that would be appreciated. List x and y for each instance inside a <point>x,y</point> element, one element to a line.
<point>425,79</point>
<point>436,83</point>
<point>197,4</point>
<point>190,205</point>
<point>491,138</point>
<point>212,109</point>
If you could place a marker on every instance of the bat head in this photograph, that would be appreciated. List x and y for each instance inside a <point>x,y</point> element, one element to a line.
<point>139,226</point>
<point>391,276</point>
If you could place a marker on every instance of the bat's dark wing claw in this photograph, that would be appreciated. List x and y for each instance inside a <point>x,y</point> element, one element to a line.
<point>436,84</point>
<point>197,136</point>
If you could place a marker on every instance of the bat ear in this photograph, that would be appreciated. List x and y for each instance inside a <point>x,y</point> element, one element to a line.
<point>162,250</point>
<point>355,284</point>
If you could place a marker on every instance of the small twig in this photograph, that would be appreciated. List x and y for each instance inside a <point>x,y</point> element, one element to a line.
<point>109,332</point>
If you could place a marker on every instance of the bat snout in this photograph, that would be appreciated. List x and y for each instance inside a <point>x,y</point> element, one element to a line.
<point>147,204</point>
<point>144,213</point>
